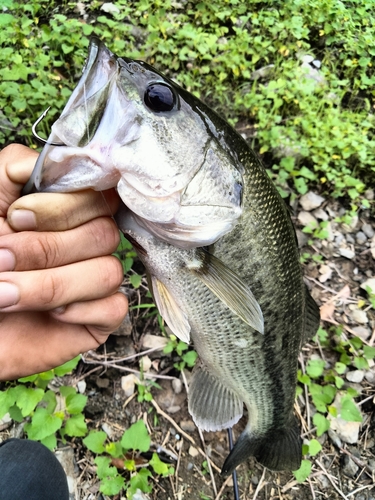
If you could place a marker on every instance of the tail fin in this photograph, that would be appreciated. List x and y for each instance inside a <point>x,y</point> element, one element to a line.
<point>279,449</point>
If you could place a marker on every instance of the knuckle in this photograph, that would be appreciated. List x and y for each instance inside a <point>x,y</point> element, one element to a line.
<point>46,250</point>
<point>111,273</point>
<point>51,289</point>
<point>104,233</point>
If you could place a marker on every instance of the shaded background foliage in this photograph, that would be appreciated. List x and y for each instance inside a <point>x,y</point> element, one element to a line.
<point>298,75</point>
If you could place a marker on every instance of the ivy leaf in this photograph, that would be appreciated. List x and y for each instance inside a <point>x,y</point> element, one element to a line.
<point>111,482</point>
<point>303,472</point>
<point>42,425</point>
<point>140,482</point>
<point>95,441</point>
<point>67,390</point>
<point>75,403</point>
<point>28,400</point>
<point>7,400</point>
<point>136,437</point>
<point>67,367</point>
<point>50,441</point>
<point>135,280</point>
<point>314,447</point>
<point>159,466</point>
<point>349,410</point>
<point>75,426</point>
<point>322,424</point>
<point>368,352</point>
<point>315,368</point>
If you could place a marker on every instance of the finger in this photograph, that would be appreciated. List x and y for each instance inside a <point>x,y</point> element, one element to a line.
<point>51,288</point>
<point>16,165</point>
<point>49,343</point>
<point>99,316</point>
<point>32,250</point>
<point>61,211</point>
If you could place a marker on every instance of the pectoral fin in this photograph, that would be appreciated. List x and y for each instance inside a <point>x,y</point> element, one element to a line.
<point>211,404</point>
<point>229,288</point>
<point>175,318</point>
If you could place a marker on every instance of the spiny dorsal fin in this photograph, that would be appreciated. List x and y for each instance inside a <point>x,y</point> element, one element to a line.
<point>170,311</point>
<point>228,287</point>
<point>212,405</point>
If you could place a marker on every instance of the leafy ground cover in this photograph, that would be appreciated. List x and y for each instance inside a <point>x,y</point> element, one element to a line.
<point>297,78</point>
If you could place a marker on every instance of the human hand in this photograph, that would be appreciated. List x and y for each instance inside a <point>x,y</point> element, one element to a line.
<point>58,281</point>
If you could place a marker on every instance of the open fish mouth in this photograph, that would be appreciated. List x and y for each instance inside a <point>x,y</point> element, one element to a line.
<point>129,127</point>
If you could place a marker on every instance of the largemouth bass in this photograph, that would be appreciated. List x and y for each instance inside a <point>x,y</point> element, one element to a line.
<point>216,239</point>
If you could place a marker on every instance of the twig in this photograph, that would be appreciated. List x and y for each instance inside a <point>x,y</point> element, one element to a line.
<point>208,461</point>
<point>260,484</point>
<point>360,489</point>
<point>180,431</point>
<point>178,461</point>
<point>357,461</point>
<point>126,369</point>
<point>224,485</point>
<point>330,480</point>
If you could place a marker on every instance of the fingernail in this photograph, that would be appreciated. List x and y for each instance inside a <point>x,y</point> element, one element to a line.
<point>59,310</point>
<point>9,294</point>
<point>7,260</point>
<point>22,220</point>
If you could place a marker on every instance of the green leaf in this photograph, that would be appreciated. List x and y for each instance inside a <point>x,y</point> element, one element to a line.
<point>340,368</point>
<point>67,390</point>
<point>322,424</point>
<point>190,358</point>
<point>15,414</point>
<point>50,442</point>
<point>67,367</point>
<point>159,466</point>
<point>140,482</point>
<point>75,426</point>
<point>349,410</point>
<point>135,280</point>
<point>75,403</point>
<point>50,398</point>
<point>360,363</point>
<point>42,425</point>
<point>136,437</point>
<point>315,368</point>
<point>303,472</point>
<point>28,400</point>
<point>7,399</point>
<point>314,447</point>
<point>112,485</point>
<point>95,441</point>
<point>31,378</point>
<point>114,449</point>
<point>368,352</point>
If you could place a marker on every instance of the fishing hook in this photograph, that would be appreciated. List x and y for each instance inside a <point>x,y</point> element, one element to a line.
<point>234,473</point>
<point>33,130</point>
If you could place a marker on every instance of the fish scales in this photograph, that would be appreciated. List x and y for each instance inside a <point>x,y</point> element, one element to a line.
<point>214,234</point>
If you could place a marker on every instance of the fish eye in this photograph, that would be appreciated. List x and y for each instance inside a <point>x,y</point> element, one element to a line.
<point>159,97</point>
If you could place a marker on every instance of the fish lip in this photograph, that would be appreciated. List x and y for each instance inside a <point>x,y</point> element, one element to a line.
<point>97,52</point>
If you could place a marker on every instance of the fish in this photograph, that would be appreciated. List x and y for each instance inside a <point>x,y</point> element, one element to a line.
<point>215,236</point>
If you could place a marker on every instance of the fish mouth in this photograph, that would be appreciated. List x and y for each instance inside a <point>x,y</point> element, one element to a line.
<point>79,120</point>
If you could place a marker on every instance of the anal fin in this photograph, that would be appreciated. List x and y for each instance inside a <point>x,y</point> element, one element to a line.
<point>278,449</point>
<point>212,405</point>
